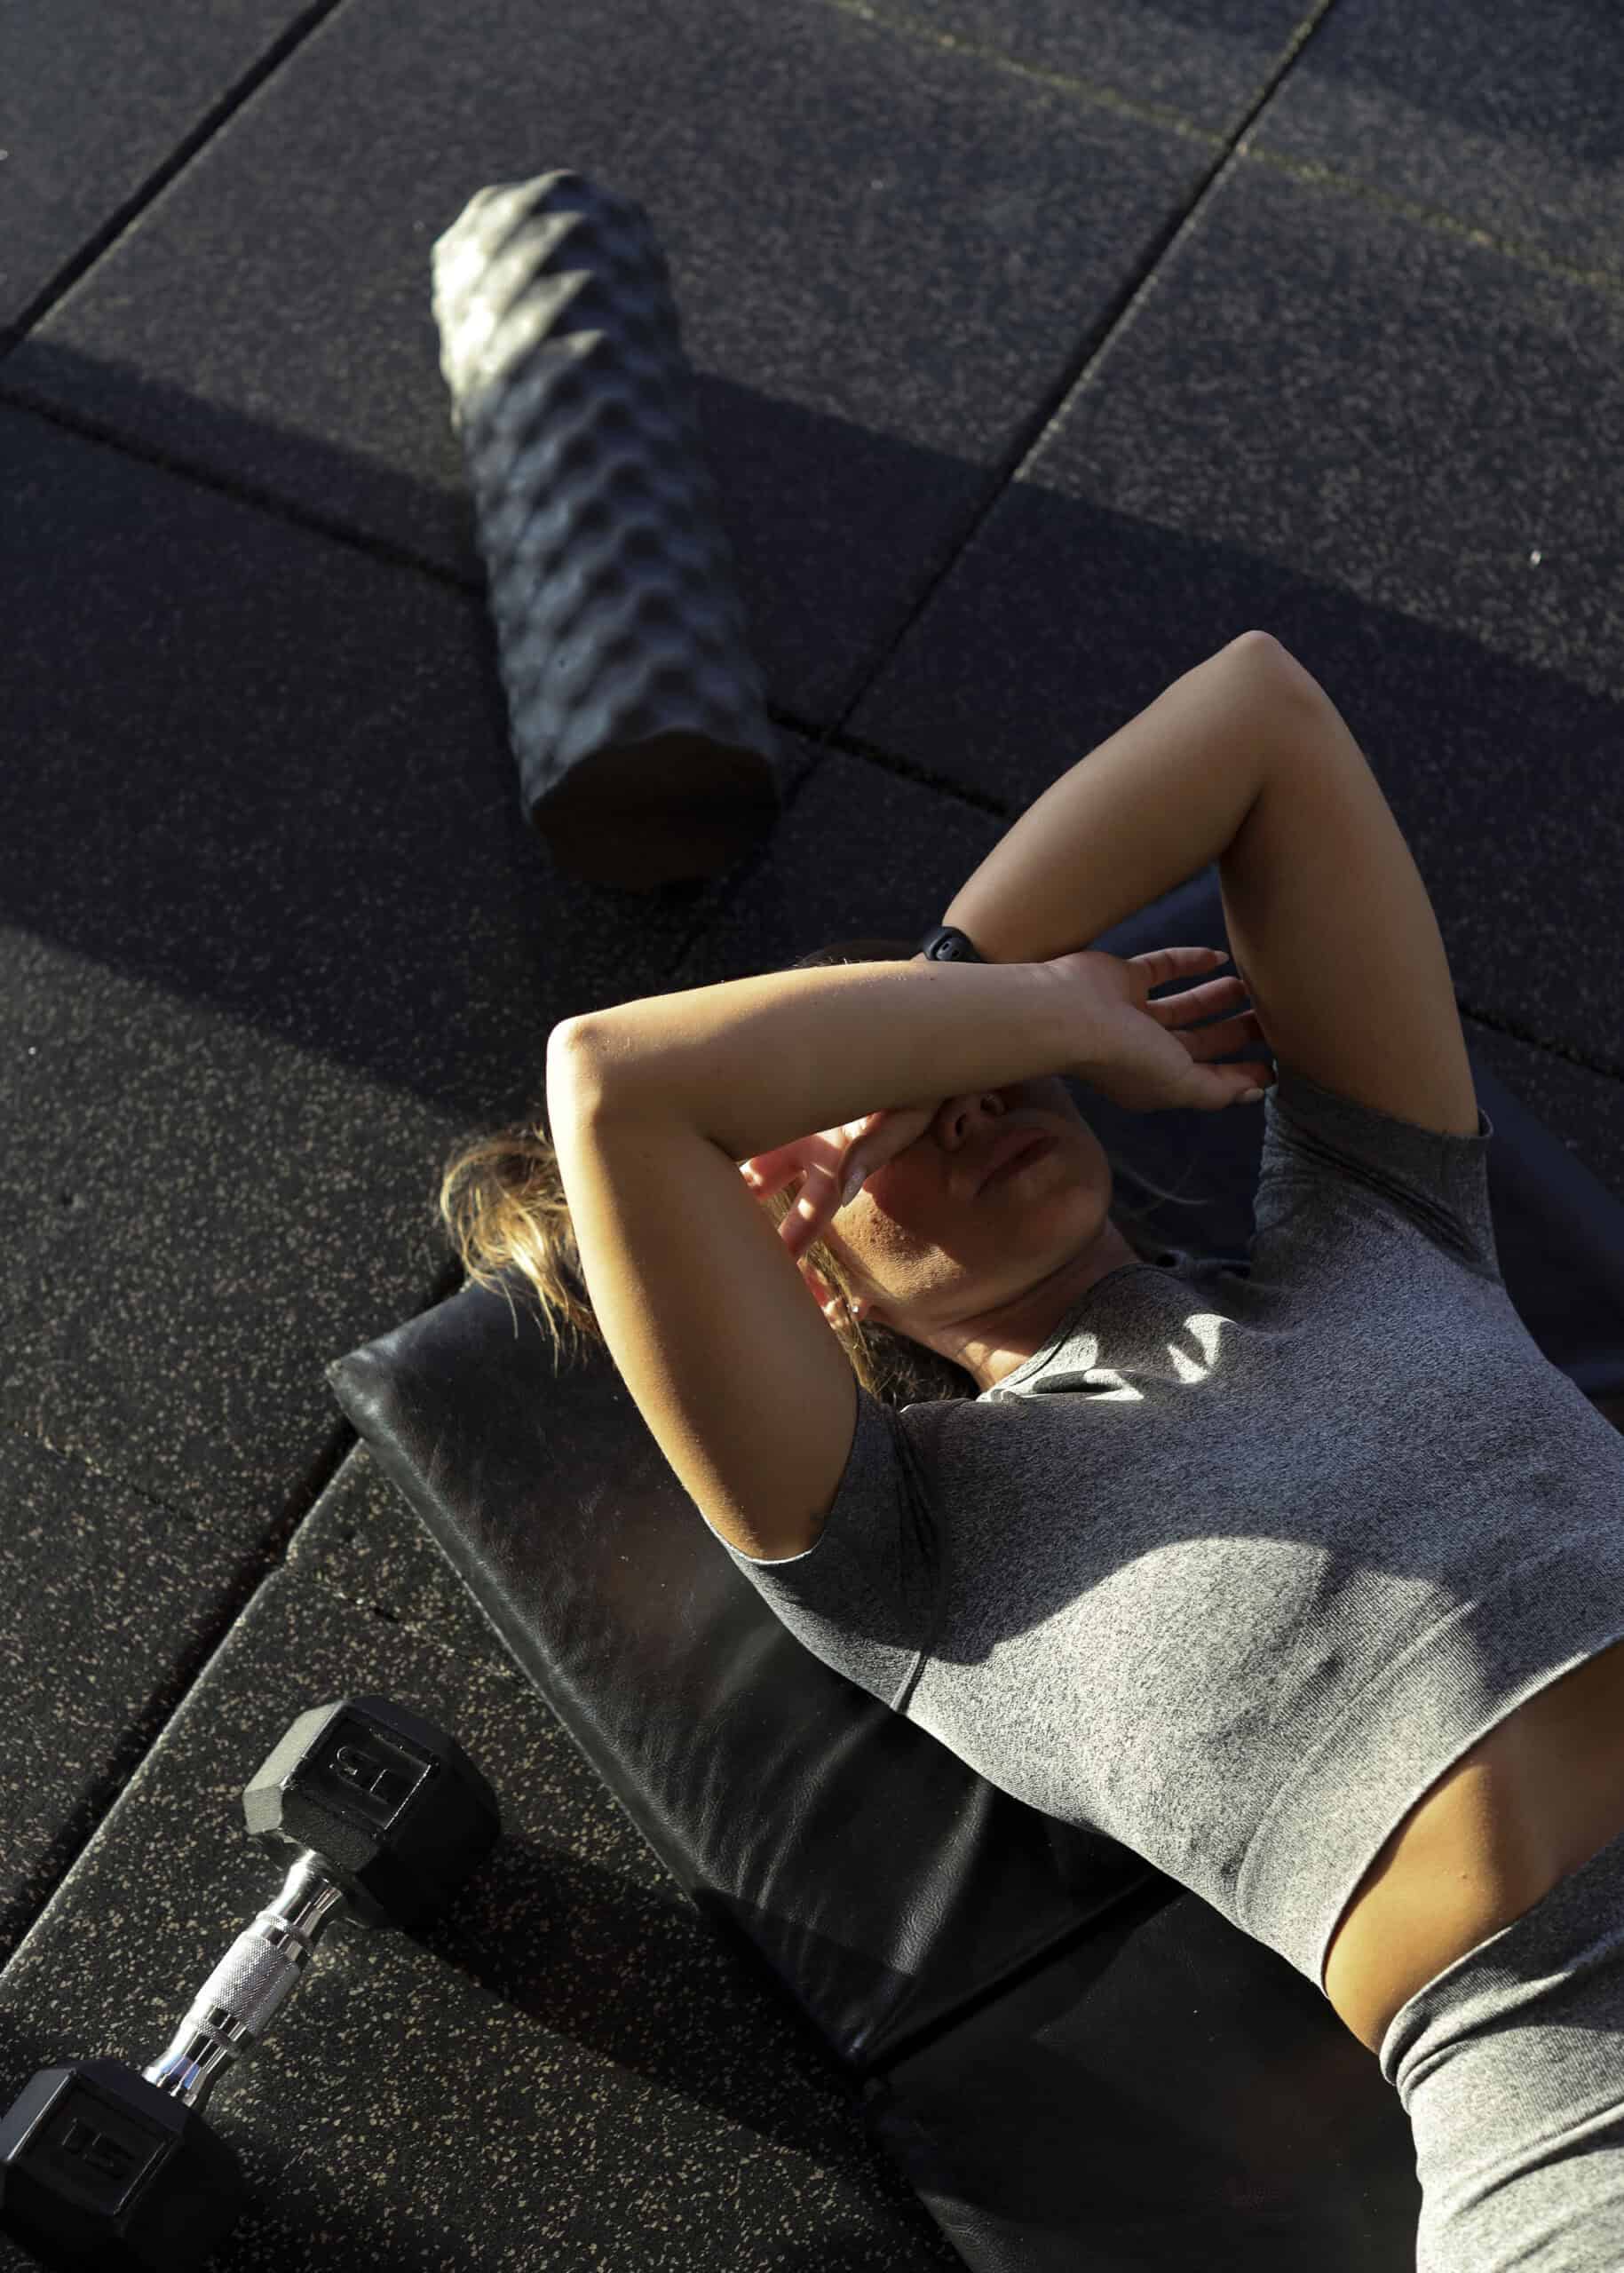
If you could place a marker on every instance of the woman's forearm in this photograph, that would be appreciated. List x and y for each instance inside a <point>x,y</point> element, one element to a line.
<point>1160,801</point>
<point>758,1062</point>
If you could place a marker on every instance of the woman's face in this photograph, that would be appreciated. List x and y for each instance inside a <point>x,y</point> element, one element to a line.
<point>982,1272</point>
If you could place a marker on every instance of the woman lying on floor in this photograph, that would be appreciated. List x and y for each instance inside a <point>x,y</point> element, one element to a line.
<point>1305,1580</point>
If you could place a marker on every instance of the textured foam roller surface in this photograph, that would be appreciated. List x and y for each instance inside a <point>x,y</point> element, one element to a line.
<point>636,711</point>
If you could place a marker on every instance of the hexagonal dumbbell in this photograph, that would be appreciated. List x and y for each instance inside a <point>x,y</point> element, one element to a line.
<point>384,1815</point>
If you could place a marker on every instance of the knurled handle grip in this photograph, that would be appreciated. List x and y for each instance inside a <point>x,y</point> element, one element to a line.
<point>254,1979</point>
<point>261,1967</point>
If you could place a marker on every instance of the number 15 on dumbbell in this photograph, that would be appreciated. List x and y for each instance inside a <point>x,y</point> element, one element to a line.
<point>384,1816</point>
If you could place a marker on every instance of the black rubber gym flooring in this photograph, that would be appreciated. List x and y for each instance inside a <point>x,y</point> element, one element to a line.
<point>1040,350</point>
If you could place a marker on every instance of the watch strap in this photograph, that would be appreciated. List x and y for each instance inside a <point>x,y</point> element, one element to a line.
<point>948,945</point>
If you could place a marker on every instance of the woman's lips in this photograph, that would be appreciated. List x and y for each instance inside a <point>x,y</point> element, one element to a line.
<point>1032,1148</point>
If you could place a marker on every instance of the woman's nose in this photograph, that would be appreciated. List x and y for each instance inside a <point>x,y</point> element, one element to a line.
<point>963,1116</point>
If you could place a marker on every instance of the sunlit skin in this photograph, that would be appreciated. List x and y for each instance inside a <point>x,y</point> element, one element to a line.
<point>984,1273</point>
<point>981,1277</point>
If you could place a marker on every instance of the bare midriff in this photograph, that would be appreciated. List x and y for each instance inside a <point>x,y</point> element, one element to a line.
<point>1537,1796</point>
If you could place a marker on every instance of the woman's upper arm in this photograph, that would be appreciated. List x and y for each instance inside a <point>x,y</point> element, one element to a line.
<point>716,1333</point>
<point>1332,929</point>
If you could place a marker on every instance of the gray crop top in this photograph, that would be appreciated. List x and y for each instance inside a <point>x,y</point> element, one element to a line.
<point>1238,1563</point>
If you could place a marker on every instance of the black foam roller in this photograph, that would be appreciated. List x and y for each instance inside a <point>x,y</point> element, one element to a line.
<point>636,712</point>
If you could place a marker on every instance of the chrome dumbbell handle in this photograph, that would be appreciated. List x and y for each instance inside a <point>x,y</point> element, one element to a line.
<point>251,1984</point>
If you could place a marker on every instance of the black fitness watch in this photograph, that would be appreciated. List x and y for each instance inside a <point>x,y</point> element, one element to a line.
<point>946,944</point>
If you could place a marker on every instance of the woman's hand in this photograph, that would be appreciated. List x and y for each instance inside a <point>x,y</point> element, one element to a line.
<point>1147,1056</point>
<point>1152,1056</point>
<point>832,1163</point>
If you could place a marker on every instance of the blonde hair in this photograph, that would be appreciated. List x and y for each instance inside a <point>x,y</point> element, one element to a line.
<point>502,1201</point>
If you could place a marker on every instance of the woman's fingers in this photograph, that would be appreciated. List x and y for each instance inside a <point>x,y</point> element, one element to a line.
<point>785,1160</point>
<point>1223,1039</point>
<point>767,1173</point>
<point>823,1194</point>
<point>1198,1001</point>
<point>812,1207</point>
<point>813,1211</point>
<point>827,1162</point>
<point>1163,965</point>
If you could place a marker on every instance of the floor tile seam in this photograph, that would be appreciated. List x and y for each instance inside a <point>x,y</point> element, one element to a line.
<point>844,744</point>
<point>1436,219</point>
<point>81,1830</point>
<point>1121,319</point>
<point>305,1489</point>
<point>1310,172</point>
<point>1099,339</point>
<point>1094,93</point>
<point>94,1816</point>
<point>81,1462</point>
<point>258,1557</point>
<point>87,255</point>
<point>472,588</point>
<point>321,1574</point>
<point>1035,429</point>
<point>273,504</point>
<point>1606,1069</point>
<point>150,1724</point>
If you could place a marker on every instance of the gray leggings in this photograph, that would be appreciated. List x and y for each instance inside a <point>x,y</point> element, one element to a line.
<point>1510,2064</point>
